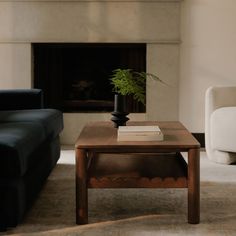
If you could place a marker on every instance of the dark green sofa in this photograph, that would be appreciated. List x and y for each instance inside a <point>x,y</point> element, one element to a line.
<point>29,149</point>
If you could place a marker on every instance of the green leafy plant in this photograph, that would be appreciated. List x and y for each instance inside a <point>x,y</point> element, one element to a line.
<point>129,82</point>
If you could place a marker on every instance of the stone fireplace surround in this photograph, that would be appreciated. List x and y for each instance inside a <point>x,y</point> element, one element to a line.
<point>154,22</point>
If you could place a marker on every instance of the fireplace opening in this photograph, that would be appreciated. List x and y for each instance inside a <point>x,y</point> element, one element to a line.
<point>75,76</point>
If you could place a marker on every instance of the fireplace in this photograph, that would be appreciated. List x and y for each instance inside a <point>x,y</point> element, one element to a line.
<point>75,76</point>
<point>155,23</point>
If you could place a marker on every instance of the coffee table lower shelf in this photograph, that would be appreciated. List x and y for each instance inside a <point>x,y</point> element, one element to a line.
<point>137,171</point>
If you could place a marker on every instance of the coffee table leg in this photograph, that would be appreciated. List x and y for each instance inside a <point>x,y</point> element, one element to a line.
<point>81,187</point>
<point>194,186</point>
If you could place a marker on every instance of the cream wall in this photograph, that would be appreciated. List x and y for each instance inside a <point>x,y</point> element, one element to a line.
<point>208,55</point>
<point>207,52</point>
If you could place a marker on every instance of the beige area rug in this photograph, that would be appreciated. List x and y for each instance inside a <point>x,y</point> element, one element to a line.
<point>130,212</point>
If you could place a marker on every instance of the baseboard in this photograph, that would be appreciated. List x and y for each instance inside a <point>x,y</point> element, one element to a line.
<point>200,138</point>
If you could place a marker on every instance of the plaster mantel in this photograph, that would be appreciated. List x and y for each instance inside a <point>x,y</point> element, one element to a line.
<point>146,1</point>
<point>152,22</point>
<point>170,42</point>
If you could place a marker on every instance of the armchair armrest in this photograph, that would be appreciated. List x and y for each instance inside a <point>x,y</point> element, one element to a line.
<point>218,98</point>
<point>20,99</point>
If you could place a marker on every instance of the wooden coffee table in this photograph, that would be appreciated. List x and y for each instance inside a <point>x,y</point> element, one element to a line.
<point>136,164</point>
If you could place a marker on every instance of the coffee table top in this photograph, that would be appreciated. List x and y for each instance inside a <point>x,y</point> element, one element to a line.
<point>102,135</point>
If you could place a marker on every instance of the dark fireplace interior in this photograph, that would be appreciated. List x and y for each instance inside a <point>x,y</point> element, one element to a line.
<point>75,76</point>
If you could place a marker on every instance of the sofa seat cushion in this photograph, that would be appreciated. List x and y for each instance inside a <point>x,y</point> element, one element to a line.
<point>18,140</point>
<point>223,129</point>
<point>50,119</point>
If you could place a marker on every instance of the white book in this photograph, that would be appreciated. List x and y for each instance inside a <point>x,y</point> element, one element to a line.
<point>139,133</point>
<point>139,128</point>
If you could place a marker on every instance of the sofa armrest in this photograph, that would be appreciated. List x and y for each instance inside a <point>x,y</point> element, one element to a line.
<point>20,99</point>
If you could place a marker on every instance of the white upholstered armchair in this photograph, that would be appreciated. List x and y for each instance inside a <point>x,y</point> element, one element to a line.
<point>220,124</point>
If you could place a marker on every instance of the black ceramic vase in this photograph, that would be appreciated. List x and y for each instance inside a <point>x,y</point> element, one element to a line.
<point>119,114</point>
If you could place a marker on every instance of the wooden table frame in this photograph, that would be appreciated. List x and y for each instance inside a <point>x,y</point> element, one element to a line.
<point>100,137</point>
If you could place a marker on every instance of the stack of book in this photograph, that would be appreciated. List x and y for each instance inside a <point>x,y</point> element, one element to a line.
<point>139,133</point>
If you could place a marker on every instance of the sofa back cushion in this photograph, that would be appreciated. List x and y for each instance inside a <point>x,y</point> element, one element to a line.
<point>17,99</point>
